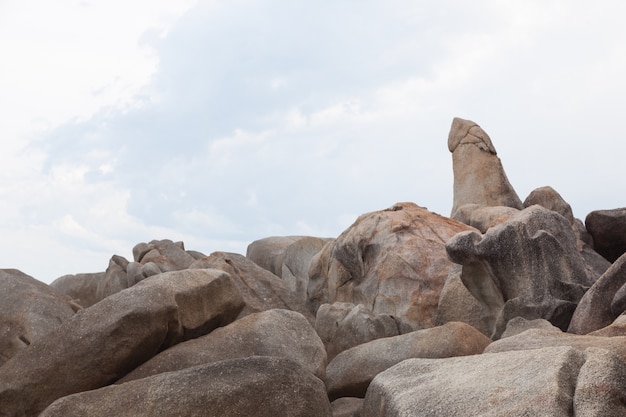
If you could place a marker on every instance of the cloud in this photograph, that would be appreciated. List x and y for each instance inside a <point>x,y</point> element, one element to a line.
<point>247,119</point>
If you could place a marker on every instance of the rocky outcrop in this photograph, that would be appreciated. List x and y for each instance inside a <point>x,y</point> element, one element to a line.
<point>350,372</point>
<point>29,309</point>
<point>479,177</point>
<point>546,282</point>
<point>99,344</point>
<point>394,317</point>
<point>608,229</point>
<point>392,261</point>
<point>256,386</point>
<point>277,333</point>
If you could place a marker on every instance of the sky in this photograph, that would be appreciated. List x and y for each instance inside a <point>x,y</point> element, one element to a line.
<point>218,123</point>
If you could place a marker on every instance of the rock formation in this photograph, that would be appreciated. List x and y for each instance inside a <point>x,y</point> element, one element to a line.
<point>479,177</point>
<point>405,313</point>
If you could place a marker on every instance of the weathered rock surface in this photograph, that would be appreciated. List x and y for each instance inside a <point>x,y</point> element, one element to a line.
<point>99,344</point>
<point>557,381</point>
<point>347,407</point>
<point>80,287</point>
<point>519,325</point>
<point>617,328</point>
<point>528,266</point>
<point>257,386</point>
<point>350,372</point>
<point>29,309</point>
<point>261,290</point>
<point>392,261</point>
<point>597,309</point>
<point>608,229</point>
<point>479,177</point>
<point>344,325</point>
<point>296,262</point>
<point>483,217</point>
<point>549,198</point>
<point>269,252</point>
<point>456,303</point>
<point>277,333</point>
<point>541,338</point>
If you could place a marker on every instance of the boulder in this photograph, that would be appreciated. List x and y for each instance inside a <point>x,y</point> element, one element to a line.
<point>555,381</point>
<point>256,386</point>
<point>29,309</point>
<point>541,338</point>
<point>268,252</point>
<point>261,290</point>
<point>344,325</point>
<point>528,266</point>
<point>392,261</point>
<point>82,288</point>
<point>100,344</point>
<point>608,229</point>
<point>278,333</point>
<point>549,198</point>
<point>519,325</point>
<point>347,407</point>
<point>456,303</point>
<point>483,217</point>
<point>296,261</point>
<point>479,177</point>
<point>350,372</point>
<point>596,308</point>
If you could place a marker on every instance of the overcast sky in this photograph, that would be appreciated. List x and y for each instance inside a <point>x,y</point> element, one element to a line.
<point>221,122</point>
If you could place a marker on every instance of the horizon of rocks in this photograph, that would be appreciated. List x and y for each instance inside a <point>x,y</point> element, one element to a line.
<point>506,307</point>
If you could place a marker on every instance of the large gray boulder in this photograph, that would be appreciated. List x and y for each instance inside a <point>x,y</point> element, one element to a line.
<point>392,261</point>
<point>608,229</point>
<point>29,309</point>
<point>100,344</point>
<point>479,177</point>
<point>597,308</point>
<point>528,266</point>
<point>555,381</point>
<point>296,262</point>
<point>344,325</point>
<point>350,372</point>
<point>278,333</point>
<point>256,386</point>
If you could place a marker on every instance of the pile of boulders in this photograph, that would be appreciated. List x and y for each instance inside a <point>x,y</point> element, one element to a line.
<point>507,307</point>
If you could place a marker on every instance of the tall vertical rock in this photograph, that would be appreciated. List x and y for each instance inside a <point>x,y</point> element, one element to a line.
<point>479,177</point>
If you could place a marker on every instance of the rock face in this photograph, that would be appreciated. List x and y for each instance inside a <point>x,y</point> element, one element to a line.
<point>100,344</point>
<point>277,333</point>
<point>608,229</point>
<point>269,252</point>
<point>257,386</point>
<point>558,381</point>
<point>546,282</point>
<point>80,287</point>
<point>29,309</point>
<point>350,373</point>
<point>392,261</point>
<point>479,177</point>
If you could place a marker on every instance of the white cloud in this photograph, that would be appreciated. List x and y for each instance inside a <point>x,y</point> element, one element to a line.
<point>218,127</point>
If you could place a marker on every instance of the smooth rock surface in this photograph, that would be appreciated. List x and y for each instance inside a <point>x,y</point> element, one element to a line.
<point>257,386</point>
<point>350,372</point>
<point>608,229</point>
